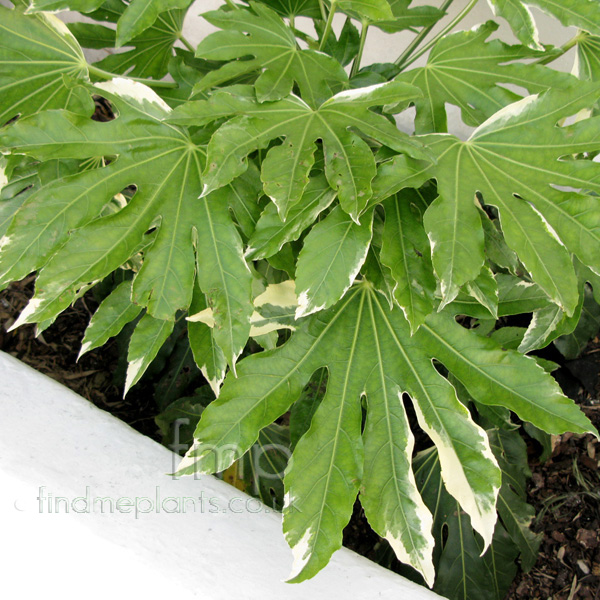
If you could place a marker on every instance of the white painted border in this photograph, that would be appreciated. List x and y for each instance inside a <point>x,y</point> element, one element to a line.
<point>50,436</point>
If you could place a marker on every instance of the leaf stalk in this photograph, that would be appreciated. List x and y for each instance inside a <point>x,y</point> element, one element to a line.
<point>102,74</point>
<point>186,43</point>
<point>578,37</point>
<point>328,25</point>
<point>417,41</point>
<point>361,48</point>
<point>459,17</point>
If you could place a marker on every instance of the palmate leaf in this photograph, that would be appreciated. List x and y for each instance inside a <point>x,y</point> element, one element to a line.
<point>369,350</point>
<point>511,452</point>
<point>263,467</point>
<point>134,17</point>
<point>38,58</point>
<point>465,70</point>
<point>349,163</point>
<point>462,572</point>
<point>294,8</point>
<point>151,51</point>
<point>332,448</point>
<point>345,47</point>
<point>139,15</point>
<point>588,58</point>
<point>584,14</point>
<point>165,166</point>
<point>406,17</point>
<point>515,160</point>
<point>368,10</point>
<point>264,36</point>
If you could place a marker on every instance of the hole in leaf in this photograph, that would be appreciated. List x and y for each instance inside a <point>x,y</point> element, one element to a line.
<point>103,109</point>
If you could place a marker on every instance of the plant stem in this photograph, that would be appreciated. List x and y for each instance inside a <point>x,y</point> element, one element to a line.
<point>361,47</point>
<point>328,25</point>
<point>231,4</point>
<point>101,74</point>
<point>424,33</point>
<point>459,17</point>
<point>292,20</point>
<point>310,41</point>
<point>578,37</point>
<point>323,11</point>
<point>186,43</point>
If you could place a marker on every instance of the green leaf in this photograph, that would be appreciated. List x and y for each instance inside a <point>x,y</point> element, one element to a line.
<point>304,408</point>
<point>115,311</point>
<point>584,14</point>
<point>331,258</point>
<point>495,246</point>
<point>515,161</point>
<point>371,10</point>
<point>318,508</point>
<point>179,374</point>
<point>484,289</point>
<point>150,51</point>
<point>244,196</point>
<point>373,270</point>
<point>269,382</point>
<point>456,258</point>
<point>178,421</point>
<point>207,354</point>
<point>571,345</point>
<point>345,48</point>
<point>147,339</point>
<point>83,6</point>
<point>349,162</point>
<point>515,296</point>
<point>517,516</point>
<point>263,467</point>
<point>271,233</point>
<point>264,36</point>
<point>139,15</point>
<point>406,17</point>
<point>405,250</point>
<point>38,59</point>
<point>547,324</point>
<point>223,274</point>
<point>465,70</point>
<point>397,174</point>
<point>462,571</point>
<point>295,8</point>
<point>167,165</point>
<point>481,365</point>
<point>588,58</point>
<point>184,75</point>
<point>520,19</point>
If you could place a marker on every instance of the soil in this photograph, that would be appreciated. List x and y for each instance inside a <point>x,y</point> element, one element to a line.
<point>565,490</point>
<point>97,376</point>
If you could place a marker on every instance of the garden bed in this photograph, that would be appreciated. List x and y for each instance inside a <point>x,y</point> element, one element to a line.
<point>564,490</point>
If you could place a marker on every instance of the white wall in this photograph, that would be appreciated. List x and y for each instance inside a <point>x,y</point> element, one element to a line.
<point>54,444</point>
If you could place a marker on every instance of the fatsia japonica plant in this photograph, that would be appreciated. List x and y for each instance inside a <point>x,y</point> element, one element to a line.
<point>259,186</point>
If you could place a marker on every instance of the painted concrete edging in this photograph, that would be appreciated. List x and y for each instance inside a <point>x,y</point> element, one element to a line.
<point>125,531</point>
